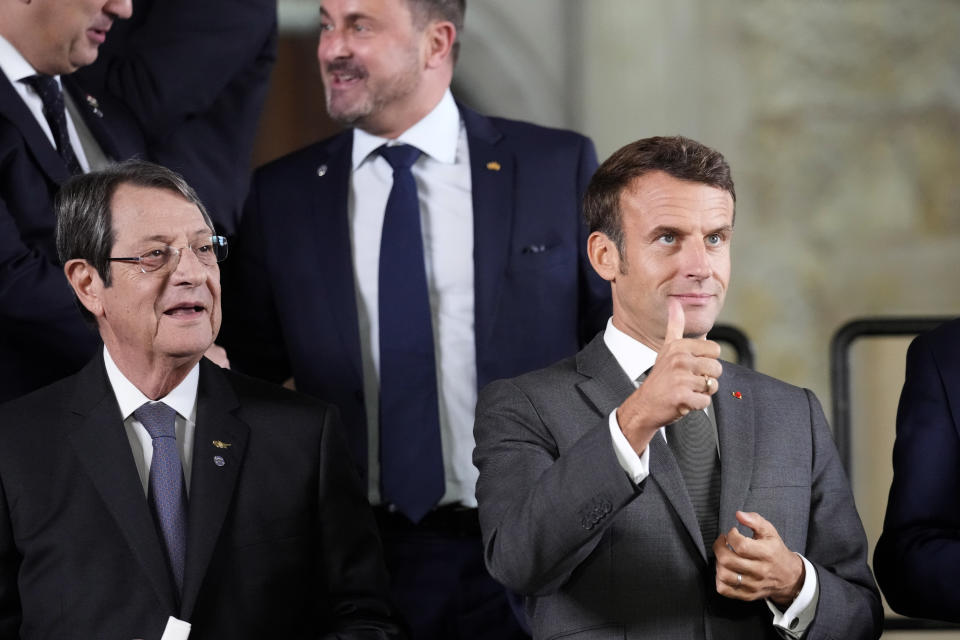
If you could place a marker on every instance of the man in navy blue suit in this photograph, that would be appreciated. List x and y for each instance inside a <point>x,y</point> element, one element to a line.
<point>42,336</point>
<point>917,559</point>
<point>505,285</point>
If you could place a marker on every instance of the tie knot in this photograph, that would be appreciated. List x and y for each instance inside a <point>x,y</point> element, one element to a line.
<point>401,156</point>
<point>157,418</point>
<point>45,86</point>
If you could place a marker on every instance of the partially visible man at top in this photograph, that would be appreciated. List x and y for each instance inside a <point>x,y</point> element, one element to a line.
<point>397,267</point>
<point>195,75</point>
<point>50,129</point>
<point>645,489</point>
<point>155,490</point>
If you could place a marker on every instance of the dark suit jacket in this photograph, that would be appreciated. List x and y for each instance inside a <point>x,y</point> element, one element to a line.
<point>281,542</point>
<point>600,557</point>
<point>195,74</point>
<point>917,558</point>
<point>42,335</point>
<point>290,291</point>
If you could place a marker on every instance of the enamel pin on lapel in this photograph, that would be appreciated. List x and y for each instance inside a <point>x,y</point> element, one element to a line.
<point>322,170</point>
<point>737,395</point>
<point>220,444</point>
<point>493,165</point>
<point>94,105</point>
<point>219,461</point>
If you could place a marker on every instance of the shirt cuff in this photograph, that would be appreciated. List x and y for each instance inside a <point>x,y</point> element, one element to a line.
<point>637,467</point>
<point>793,622</point>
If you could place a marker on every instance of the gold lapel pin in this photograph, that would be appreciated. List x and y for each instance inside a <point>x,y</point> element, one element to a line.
<point>219,444</point>
<point>493,165</point>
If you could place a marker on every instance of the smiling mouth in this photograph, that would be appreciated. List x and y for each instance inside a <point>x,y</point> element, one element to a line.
<point>184,311</point>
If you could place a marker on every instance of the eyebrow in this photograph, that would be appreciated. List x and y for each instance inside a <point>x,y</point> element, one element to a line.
<point>165,238</point>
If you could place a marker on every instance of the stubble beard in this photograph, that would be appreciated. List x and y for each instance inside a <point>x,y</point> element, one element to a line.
<point>377,97</point>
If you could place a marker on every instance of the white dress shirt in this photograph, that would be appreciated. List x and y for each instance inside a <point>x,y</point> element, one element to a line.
<point>16,68</point>
<point>182,399</point>
<point>442,174</point>
<point>634,358</point>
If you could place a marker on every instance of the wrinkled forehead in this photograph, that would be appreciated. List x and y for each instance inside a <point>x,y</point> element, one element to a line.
<point>139,213</point>
<point>658,195</point>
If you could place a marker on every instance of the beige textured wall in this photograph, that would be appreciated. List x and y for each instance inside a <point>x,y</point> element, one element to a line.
<point>842,123</point>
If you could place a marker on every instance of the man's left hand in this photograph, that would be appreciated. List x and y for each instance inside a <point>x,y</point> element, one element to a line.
<point>765,566</point>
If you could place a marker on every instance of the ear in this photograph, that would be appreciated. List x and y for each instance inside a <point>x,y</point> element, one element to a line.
<point>603,256</point>
<point>86,283</point>
<point>439,37</point>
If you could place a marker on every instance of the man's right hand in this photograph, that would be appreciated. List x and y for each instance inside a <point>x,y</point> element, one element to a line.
<point>677,384</point>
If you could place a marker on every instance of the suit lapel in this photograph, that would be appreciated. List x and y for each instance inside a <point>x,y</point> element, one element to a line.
<point>104,451</point>
<point>493,175</point>
<point>332,238</point>
<point>736,428</point>
<point>607,388</point>
<point>15,110</point>
<point>219,445</point>
<point>89,108</point>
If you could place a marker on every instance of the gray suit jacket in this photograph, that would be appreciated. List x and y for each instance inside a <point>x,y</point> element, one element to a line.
<point>599,557</point>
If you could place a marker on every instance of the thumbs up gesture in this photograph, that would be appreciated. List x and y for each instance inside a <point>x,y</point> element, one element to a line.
<point>682,380</point>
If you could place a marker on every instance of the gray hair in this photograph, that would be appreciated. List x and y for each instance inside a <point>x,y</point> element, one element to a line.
<point>84,219</point>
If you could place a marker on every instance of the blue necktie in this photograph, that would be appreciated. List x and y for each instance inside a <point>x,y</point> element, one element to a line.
<point>166,492</point>
<point>55,113</point>
<point>411,459</point>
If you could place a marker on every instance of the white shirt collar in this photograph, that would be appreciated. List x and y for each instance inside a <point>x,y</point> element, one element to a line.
<point>633,356</point>
<point>435,135</point>
<point>14,65</point>
<point>183,398</point>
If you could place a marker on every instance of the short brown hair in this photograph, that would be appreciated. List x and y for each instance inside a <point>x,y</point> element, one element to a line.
<point>450,10</point>
<point>680,157</point>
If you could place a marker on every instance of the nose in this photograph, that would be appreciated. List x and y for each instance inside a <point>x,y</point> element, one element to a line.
<point>696,260</point>
<point>331,45</point>
<point>122,9</point>
<point>189,270</point>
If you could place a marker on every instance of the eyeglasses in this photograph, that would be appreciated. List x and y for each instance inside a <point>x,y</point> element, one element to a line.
<point>209,251</point>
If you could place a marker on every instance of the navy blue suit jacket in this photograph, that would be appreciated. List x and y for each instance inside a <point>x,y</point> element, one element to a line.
<point>195,75</point>
<point>290,292</point>
<point>917,559</point>
<point>42,335</point>
<point>280,541</point>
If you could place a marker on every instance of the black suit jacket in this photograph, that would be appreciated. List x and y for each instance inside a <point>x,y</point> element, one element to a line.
<point>290,288</point>
<point>281,542</point>
<point>917,558</point>
<point>195,74</point>
<point>42,335</point>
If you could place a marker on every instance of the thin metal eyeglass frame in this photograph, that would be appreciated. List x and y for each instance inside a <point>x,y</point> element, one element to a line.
<point>215,242</point>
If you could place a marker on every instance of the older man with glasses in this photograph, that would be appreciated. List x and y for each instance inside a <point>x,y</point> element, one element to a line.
<point>153,491</point>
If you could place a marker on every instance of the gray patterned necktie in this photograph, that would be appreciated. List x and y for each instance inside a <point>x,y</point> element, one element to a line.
<point>693,441</point>
<point>694,444</point>
<point>166,493</point>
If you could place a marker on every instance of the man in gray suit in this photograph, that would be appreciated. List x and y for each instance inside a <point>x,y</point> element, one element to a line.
<point>644,488</point>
